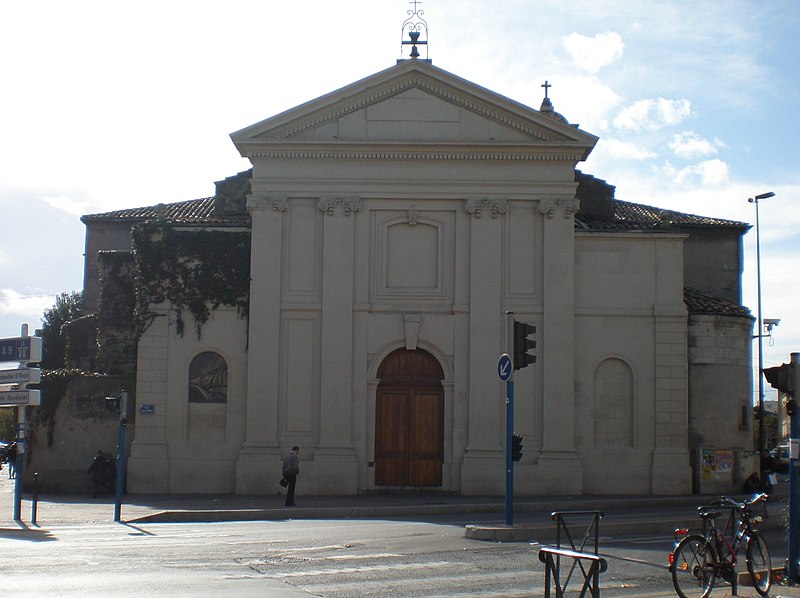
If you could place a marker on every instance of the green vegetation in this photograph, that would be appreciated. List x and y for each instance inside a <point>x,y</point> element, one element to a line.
<point>770,425</point>
<point>196,271</point>
<point>68,307</point>
<point>8,420</point>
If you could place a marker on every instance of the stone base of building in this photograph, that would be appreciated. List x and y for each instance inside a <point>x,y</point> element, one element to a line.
<point>258,470</point>
<point>672,474</point>
<point>148,469</point>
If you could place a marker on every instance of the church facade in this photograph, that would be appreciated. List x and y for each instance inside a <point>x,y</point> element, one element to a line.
<point>383,233</point>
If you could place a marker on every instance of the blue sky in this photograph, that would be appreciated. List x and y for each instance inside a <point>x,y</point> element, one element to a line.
<point>106,105</point>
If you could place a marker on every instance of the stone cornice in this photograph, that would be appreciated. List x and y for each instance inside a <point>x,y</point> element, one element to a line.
<point>482,155</point>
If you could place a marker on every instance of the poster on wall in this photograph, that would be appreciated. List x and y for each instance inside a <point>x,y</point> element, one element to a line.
<point>717,464</point>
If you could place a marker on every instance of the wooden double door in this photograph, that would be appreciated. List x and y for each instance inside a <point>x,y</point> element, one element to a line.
<point>409,420</point>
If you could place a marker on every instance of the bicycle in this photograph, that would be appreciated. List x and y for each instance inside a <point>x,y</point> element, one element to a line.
<point>700,556</point>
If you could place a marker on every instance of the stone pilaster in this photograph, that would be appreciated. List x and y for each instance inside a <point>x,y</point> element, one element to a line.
<point>482,467</point>
<point>336,352</point>
<point>263,361</point>
<point>558,470</point>
<point>671,467</point>
<point>148,464</point>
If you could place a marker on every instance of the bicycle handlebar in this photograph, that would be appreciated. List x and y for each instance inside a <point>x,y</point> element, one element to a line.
<point>728,503</point>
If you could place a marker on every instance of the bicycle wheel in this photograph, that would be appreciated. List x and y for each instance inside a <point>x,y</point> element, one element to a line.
<point>694,567</point>
<point>759,565</point>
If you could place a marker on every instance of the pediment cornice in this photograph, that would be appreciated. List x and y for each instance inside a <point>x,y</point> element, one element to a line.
<point>295,127</point>
<point>409,82</point>
<point>398,152</point>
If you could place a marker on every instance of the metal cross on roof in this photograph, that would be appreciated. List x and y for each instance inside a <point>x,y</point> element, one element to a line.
<point>546,87</point>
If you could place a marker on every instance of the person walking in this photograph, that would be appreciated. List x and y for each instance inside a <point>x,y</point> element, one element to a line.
<point>291,468</point>
<point>101,472</point>
<point>11,455</point>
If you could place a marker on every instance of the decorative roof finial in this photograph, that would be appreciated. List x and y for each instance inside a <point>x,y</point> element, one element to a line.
<point>416,27</point>
<point>547,105</point>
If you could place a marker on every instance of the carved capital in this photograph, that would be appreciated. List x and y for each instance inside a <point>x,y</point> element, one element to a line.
<point>330,204</point>
<point>493,206</point>
<point>551,207</point>
<point>279,204</point>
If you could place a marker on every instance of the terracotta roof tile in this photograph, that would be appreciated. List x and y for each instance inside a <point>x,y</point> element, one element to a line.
<point>193,211</point>
<point>633,216</point>
<point>698,302</point>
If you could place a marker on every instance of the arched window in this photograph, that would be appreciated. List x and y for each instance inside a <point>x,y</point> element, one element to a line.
<point>208,379</point>
<point>614,409</point>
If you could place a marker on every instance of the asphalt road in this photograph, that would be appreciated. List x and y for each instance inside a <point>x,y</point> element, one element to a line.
<point>335,559</point>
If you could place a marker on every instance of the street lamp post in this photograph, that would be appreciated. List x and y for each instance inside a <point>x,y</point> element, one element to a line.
<point>762,432</point>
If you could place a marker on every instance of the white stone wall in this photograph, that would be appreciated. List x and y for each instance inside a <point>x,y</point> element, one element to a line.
<point>180,447</point>
<point>720,353</point>
<point>631,361</point>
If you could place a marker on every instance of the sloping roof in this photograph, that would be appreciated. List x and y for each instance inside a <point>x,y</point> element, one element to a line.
<point>698,302</point>
<point>627,217</point>
<point>633,216</point>
<point>193,211</point>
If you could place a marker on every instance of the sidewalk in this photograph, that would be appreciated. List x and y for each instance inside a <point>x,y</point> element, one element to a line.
<point>622,514</point>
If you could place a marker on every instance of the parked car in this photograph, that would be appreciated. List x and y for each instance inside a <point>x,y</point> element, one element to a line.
<point>780,458</point>
<point>3,452</point>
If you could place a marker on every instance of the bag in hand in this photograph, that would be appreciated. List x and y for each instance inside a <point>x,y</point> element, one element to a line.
<point>283,482</point>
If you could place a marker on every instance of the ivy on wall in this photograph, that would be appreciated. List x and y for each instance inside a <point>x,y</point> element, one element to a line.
<point>116,329</point>
<point>54,387</point>
<point>196,271</point>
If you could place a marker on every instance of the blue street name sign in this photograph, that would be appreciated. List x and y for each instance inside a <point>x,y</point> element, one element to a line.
<point>505,367</point>
<point>22,349</point>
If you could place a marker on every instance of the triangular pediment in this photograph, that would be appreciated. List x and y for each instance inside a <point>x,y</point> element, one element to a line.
<point>414,103</point>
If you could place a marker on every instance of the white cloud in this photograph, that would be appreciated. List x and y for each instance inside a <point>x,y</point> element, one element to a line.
<point>706,173</point>
<point>65,204</point>
<point>30,307</point>
<point>593,53</point>
<point>653,114</point>
<point>689,144</point>
<point>569,95</point>
<point>626,150</point>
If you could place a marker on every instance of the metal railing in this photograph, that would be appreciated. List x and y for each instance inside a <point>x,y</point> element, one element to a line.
<point>570,546</point>
<point>551,557</point>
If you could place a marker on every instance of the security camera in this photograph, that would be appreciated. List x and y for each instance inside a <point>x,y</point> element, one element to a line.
<point>770,322</point>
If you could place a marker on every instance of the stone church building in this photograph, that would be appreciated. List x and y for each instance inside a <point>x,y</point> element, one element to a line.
<point>348,294</point>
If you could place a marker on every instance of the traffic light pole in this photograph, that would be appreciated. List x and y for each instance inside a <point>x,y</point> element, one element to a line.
<point>509,424</point>
<point>509,460</point>
<point>121,459</point>
<point>794,476</point>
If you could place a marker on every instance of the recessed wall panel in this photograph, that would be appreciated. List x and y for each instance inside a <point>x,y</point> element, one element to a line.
<point>300,395</point>
<point>302,247</point>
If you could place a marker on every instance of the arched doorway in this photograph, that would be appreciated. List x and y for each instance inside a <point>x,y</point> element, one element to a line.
<point>409,420</point>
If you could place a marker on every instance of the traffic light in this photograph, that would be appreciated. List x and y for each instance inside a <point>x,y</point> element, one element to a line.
<point>522,344</point>
<point>516,447</point>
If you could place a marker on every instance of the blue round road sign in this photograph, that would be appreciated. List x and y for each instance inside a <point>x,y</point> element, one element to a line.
<point>505,367</point>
